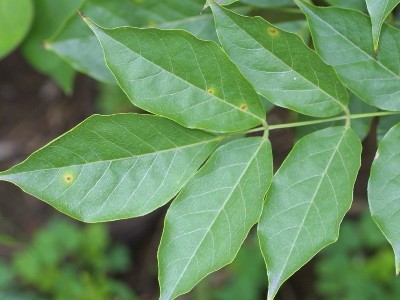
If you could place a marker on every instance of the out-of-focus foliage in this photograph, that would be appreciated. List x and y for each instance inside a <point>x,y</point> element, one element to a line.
<point>358,266</point>
<point>244,279</point>
<point>49,17</point>
<point>64,261</point>
<point>15,21</point>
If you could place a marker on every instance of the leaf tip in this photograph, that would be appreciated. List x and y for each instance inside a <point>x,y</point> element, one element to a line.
<point>204,8</point>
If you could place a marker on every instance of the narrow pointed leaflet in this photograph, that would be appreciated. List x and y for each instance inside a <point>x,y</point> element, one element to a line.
<point>173,74</point>
<point>279,65</point>
<point>211,217</point>
<point>113,167</point>
<point>379,10</point>
<point>343,39</point>
<point>384,189</point>
<point>308,198</point>
<point>77,44</point>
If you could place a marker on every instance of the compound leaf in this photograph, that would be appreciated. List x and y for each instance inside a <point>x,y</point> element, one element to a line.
<point>209,220</point>
<point>384,189</point>
<point>308,198</point>
<point>343,39</point>
<point>173,74</point>
<point>279,65</point>
<point>379,10</point>
<point>113,167</point>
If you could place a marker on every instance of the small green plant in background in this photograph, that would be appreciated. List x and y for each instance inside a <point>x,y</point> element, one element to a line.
<point>358,266</point>
<point>65,261</point>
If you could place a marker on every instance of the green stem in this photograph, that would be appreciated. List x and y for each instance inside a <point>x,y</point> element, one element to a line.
<point>346,117</point>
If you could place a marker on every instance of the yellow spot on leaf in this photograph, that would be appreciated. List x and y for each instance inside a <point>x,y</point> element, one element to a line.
<point>211,90</point>
<point>68,178</point>
<point>272,31</point>
<point>244,106</point>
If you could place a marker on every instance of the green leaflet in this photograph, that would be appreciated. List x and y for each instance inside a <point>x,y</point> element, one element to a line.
<point>267,3</point>
<point>15,21</point>
<point>173,74</point>
<point>113,167</point>
<point>78,45</point>
<point>354,4</point>
<point>343,39</point>
<point>279,65</point>
<point>385,123</point>
<point>49,17</point>
<point>308,198</point>
<point>211,217</point>
<point>378,11</point>
<point>384,189</point>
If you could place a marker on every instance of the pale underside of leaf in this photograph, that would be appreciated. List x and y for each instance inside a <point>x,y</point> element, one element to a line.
<point>343,39</point>
<point>307,201</point>
<point>209,220</point>
<point>173,74</point>
<point>279,65</point>
<point>384,189</point>
<point>113,167</point>
<point>378,11</point>
<point>77,44</point>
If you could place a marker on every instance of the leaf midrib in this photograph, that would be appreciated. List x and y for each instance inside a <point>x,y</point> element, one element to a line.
<point>336,149</point>
<point>234,187</point>
<point>299,74</point>
<point>5,173</point>
<point>370,58</point>
<point>222,101</point>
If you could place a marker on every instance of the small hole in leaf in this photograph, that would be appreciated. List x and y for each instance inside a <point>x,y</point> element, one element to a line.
<point>273,31</point>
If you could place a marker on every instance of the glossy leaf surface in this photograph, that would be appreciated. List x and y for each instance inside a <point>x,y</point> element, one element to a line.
<point>209,220</point>
<point>49,17</point>
<point>343,39</point>
<point>113,167</point>
<point>279,65</point>
<point>15,21</point>
<point>379,10</point>
<point>173,74</point>
<point>308,198</point>
<point>79,46</point>
<point>384,189</point>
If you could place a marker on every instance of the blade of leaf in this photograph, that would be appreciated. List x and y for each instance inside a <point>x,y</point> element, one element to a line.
<point>279,65</point>
<point>77,44</point>
<point>385,123</point>
<point>268,3</point>
<point>15,22</point>
<point>379,10</point>
<point>354,4</point>
<point>384,190</point>
<point>308,198</point>
<point>173,74</point>
<point>113,167</point>
<point>211,217</point>
<point>343,39</point>
<point>49,17</point>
